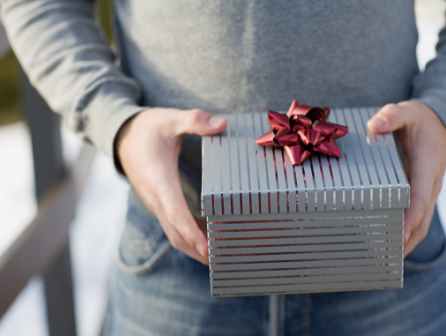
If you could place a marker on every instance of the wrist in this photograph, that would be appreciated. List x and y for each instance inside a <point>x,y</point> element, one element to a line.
<point>120,140</point>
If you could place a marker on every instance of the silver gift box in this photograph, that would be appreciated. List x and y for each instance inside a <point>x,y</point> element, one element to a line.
<point>327,225</point>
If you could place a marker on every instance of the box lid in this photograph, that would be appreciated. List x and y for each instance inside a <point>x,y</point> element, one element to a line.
<point>240,177</point>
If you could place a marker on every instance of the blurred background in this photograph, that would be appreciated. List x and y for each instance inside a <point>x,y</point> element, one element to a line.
<point>86,179</point>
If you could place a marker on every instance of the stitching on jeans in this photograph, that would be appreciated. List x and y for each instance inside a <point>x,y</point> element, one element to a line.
<point>161,252</point>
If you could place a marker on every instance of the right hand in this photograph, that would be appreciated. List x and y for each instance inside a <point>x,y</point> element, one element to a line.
<point>148,147</point>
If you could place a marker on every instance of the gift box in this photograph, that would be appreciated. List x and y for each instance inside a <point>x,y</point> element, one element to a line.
<point>328,224</point>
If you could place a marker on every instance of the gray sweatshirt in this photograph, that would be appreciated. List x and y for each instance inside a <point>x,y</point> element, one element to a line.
<point>222,56</point>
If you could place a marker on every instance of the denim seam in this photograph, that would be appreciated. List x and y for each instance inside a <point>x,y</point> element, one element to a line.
<point>162,250</point>
<point>147,243</point>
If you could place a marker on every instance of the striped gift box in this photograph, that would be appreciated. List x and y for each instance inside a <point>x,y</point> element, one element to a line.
<point>329,224</point>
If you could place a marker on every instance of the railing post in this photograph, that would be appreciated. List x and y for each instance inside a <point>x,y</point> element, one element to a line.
<point>44,127</point>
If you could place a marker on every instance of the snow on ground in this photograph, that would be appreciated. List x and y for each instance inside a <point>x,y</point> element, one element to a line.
<point>101,211</point>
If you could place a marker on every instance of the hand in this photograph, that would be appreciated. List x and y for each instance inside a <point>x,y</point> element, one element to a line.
<point>148,147</point>
<point>423,137</point>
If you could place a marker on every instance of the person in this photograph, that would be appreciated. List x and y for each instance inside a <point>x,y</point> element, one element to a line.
<point>181,63</point>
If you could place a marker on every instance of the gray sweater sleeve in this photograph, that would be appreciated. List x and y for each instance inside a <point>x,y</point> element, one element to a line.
<point>68,60</point>
<point>429,86</point>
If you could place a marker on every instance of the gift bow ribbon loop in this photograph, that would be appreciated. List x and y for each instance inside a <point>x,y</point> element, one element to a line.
<point>303,131</point>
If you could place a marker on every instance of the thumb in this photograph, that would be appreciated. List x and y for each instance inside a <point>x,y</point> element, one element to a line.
<point>390,118</point>
<point>199,122</point>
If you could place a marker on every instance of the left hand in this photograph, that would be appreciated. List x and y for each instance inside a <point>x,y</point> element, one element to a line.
<point>423,137</point>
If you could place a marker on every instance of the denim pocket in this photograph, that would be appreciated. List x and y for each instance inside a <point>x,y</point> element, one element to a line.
<point>418,266</point>
<point>143,244</point>
<point>431,251</point>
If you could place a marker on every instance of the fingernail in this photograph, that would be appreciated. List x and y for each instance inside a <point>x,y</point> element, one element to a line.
<point>377,121</point>
<point>215,122</point>
<point>201,250</point>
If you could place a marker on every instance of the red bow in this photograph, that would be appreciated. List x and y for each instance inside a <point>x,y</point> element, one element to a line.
<point>302,131</point>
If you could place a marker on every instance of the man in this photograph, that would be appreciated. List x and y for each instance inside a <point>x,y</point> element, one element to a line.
<point>182,62</point>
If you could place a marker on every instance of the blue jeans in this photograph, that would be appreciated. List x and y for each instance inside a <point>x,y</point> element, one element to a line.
<point>157,290</point>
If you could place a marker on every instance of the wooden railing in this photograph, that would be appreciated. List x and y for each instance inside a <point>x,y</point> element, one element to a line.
<point>43,246</point>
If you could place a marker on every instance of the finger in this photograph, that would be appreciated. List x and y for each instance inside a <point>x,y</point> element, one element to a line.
<point>419,202</point>
<point>202,224</point>
<point>172,234</point>
<point>174,206</point>
<point>390,118</point>
<point>421,230</point>
<point>177,240</point>
<point>421,192</point>
<point>198,122</point>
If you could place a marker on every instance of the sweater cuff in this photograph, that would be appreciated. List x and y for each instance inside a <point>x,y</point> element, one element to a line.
<point>437,104</point>
<point>101,112</point>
